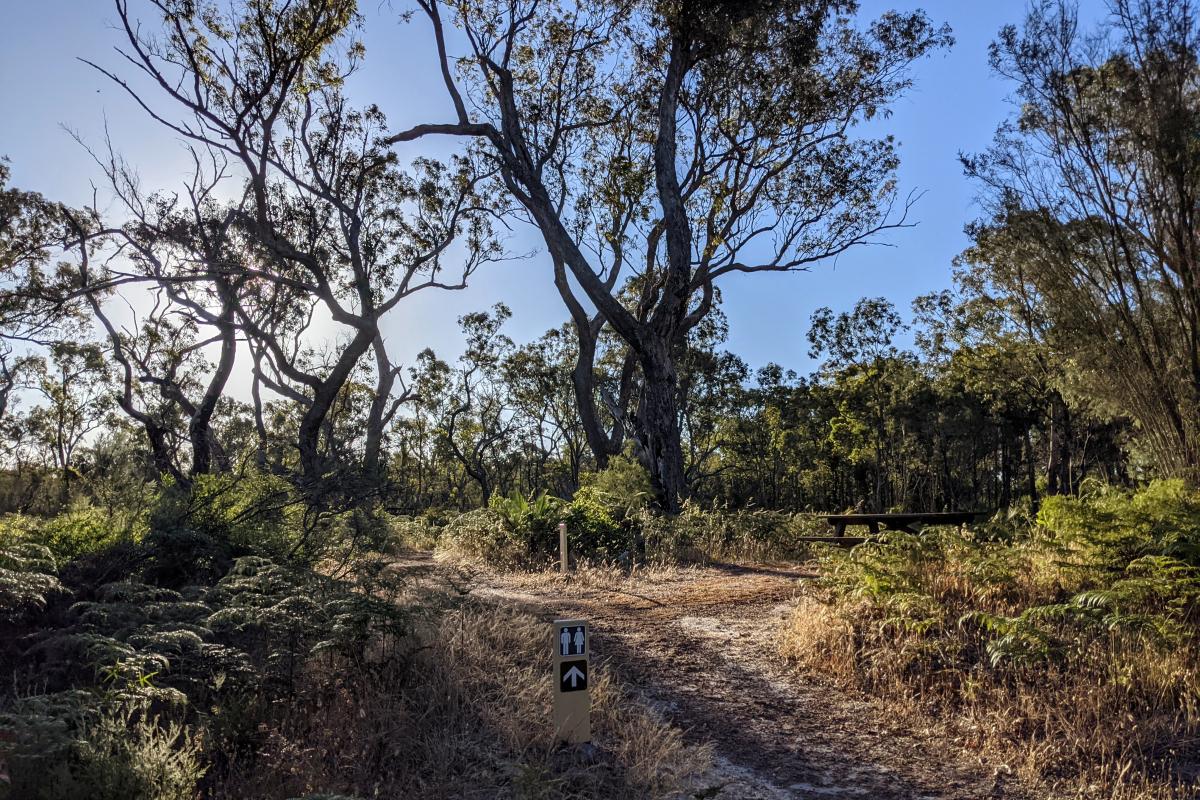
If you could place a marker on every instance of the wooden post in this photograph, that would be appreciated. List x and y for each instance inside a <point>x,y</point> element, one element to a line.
<point>562,546</point>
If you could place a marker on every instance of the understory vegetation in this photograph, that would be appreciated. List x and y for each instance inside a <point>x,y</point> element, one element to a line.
<point>224,425</point>
<point>1068,642</point>
<point>176,659</point>
<point>522,533</point>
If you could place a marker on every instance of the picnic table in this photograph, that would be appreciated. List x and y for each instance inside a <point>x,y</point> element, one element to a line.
<point>890,522</point>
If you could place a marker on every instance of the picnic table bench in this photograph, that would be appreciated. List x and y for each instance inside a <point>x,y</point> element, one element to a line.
<point>891,522</point>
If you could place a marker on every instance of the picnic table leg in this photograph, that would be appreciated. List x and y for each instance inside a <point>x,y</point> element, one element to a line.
<point>839,529</point>
<point>873,527</point>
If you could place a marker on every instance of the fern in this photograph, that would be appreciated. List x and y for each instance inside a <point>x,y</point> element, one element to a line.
<point>28,576</point>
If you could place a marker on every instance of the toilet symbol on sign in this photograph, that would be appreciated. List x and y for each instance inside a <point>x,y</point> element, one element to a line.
<point>571,640</point>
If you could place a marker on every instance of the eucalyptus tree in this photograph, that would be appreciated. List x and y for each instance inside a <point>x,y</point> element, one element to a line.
<point>477,423</point>
<point>30,233</point>
<point>862,360</point>
<point>335,231</point>
<point>31,311</point>
<point>1092,190</point>
<point>679,143</point>
<point>538,377</point>
<point>72,383</point>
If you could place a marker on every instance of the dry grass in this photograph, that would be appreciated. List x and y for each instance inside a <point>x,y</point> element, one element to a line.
<point>589,576</point>
<point>465,716</point>
<point>1117,720</point>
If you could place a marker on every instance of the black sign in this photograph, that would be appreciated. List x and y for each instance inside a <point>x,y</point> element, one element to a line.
<point>572,640</point>
<point>572,676</point>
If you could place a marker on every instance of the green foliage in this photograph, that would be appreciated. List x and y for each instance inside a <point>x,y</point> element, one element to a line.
<point>27,577</point>
<point>1107,528</point>
<point>196,533</point>
<point>484,535</point>
<point>134,669</point>
<point>535,519</point>
<point>700,535</point>
<point>79,745</point>
<point>624,487</point>
<point>592,532</point>
<point>82,531</point>
<point>516,532</point>
<point>284,616</point>
<point>419,533</point>
<point>1100,601</point>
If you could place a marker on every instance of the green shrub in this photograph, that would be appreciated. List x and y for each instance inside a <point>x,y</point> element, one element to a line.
<point>79,532</point>
<point>698,535</point>
<point>27,578</point>
<point>248,511</point>
<point>535,519</point>
<point>196,533</point>
<point>592,532</point>
<point>418,533</point>
<point>1107,528</point>
<point>624,487</point>
<point>484,535</point>
<point>522,533</point>
<point>78,746</point>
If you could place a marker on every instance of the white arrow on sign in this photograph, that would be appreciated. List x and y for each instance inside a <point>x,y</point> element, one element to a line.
<point>574,675</point>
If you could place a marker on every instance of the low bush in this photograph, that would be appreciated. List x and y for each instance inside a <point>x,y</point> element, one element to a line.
<point>623,488</point>
<point>81,745</point>
<point>1099,602</point>
<point>28,576</point>
<point>416,533</point>
<point>697,535</point>
<point>593,533</point>
<point>484,536</point>
<point>82,531</point>
<point>520,533</point>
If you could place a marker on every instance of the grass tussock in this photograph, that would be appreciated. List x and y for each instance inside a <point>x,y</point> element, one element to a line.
<point>1069,647</point>
<point>466,717</point>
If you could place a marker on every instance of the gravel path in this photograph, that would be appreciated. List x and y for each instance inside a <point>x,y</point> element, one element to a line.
<point>698,644</point>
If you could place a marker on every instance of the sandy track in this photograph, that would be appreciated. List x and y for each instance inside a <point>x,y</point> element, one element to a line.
<point>698,645</point>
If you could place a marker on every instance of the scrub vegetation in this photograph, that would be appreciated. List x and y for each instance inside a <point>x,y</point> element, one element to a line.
<point>249,550</point>
<point>1066,642</point>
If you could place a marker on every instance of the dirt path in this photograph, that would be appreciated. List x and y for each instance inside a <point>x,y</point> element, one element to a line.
<point>699,645</point>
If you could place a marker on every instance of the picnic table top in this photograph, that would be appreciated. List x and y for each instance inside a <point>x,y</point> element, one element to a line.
<point>907,516</point>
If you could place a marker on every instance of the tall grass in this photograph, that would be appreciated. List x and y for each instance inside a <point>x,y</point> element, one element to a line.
<point>198,659</point>
<point>467,716</point>
<point>1069,646</point>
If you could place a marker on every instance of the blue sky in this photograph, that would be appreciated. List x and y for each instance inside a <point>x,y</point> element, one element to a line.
<point>954,106</point>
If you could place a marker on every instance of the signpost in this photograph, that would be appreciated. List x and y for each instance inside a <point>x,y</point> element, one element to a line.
<point>572,698</point>
<point>562,546</point>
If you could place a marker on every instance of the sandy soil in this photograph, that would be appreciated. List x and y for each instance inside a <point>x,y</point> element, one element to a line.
<point>698,645</point>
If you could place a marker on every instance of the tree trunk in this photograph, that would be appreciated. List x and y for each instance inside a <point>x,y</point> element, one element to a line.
<point>583,382</point>
<point>1031,469</point>
<point>385,381</point>
<point>1058,478</point>
<point>308,437</point>
<point>658,428</point>
<point>200,426</point>
<point>1005,469</point>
